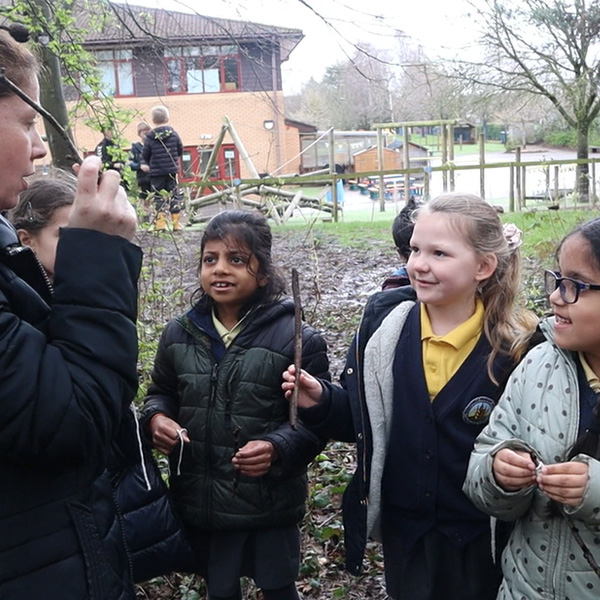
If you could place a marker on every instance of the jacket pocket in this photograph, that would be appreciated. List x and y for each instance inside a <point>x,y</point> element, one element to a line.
<point>92,549</point>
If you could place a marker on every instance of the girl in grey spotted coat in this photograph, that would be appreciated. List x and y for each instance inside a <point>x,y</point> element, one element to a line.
<point>536,463</point>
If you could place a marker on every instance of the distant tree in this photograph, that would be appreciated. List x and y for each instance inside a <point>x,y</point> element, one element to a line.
<point>550,48</point>
<point>353,94</point>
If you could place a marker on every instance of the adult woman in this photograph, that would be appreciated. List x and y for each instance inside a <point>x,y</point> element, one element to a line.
<point>66,373</point>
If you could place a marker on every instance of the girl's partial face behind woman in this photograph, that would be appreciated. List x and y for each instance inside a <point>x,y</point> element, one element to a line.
<point>577,326</point>
<point>20,144</point>
<point>45,241</point>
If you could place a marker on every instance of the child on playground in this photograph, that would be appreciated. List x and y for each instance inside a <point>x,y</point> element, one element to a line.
<point>421,379</point>
<point>402,228</point>
<point>238,469</point>
<point>162,153</point>
<point>537,461</point>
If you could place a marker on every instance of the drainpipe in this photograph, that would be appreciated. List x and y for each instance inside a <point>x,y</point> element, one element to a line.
<point>276,111</point>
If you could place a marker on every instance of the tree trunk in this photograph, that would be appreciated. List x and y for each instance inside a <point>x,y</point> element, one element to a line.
<point>583,180</point>
<point>53,100</point>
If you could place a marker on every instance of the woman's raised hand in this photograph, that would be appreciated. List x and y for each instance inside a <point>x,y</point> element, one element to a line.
<point>100,202</point>
<point>310,390</point>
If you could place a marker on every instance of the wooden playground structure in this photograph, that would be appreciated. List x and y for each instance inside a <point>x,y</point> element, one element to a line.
<point>278,197</point>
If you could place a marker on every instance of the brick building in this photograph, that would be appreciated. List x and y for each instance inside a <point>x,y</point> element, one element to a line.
<point>203,69</point>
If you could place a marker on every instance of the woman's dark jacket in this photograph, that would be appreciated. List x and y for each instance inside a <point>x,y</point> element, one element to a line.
<point>162,150</point>
<point>66,374</point>
<point>214,392</point>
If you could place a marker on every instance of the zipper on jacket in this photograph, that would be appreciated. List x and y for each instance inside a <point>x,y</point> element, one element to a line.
<point>214,376</point>
<point>213,383</point>
<point>121,522</point>
<point>361,404</point>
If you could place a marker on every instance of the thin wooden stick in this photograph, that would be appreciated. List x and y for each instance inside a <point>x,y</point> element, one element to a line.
<point>297,347</point>
<point>4,80</point>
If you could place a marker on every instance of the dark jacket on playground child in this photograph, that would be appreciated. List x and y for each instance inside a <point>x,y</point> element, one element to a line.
<point>136,160</point>
<point>162,151</point>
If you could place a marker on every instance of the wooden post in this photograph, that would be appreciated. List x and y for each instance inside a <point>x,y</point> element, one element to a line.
<point>524,185</point>
<point>450,139</point>
<point>381,168</point>
<point>238,197</point>
<point>444,157</point>
<point>511,189</point>
<point>334,198</point>
<point>241,148</point>
<point>518,175</point>
<point>482,165</point>
<point>406,161</point>
<point>426,176</point>
<point>556,186</point>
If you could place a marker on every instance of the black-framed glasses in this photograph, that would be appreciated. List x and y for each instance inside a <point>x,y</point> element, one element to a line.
<point>569,288</point>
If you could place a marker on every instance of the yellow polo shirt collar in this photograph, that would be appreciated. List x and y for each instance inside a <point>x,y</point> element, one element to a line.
<point>444,354</point>
<point>227,335</point>
<point>591,377</point>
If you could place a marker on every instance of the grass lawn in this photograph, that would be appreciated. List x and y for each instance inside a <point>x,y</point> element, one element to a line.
<point>542,230</point>
<point>434,143</point>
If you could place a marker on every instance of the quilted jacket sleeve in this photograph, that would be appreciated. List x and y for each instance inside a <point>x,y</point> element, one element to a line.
<point>298,447</point>
<point>588,511</point>
<point>503,431</point>
<point>63,391</point>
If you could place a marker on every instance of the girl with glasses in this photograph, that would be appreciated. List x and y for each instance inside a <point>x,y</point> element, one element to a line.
<point>536,463</point>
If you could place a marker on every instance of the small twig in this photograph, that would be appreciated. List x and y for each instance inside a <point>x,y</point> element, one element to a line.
<point>297,347</point>
<point>236,446</point>
<point>4,80</point>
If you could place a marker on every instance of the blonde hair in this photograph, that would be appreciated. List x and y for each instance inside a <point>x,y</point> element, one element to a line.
<point>160,115</point>
<point>507,326</point>
<point>142,125</point>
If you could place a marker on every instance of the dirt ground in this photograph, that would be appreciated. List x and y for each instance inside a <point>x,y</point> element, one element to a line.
<point>335,282</point>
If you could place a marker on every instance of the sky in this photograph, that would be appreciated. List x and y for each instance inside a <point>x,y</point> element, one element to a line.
<point>440,26</point>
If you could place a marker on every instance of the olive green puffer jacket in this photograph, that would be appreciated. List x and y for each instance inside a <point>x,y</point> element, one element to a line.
<point>241,391</point>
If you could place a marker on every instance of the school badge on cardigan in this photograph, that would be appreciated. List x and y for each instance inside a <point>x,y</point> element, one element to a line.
<point>478,411</point>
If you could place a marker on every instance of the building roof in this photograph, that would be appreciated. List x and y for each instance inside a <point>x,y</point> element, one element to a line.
<point>372,149</point>
<point>137,24</point>
<point>302,127</point>
<point>397,144</point>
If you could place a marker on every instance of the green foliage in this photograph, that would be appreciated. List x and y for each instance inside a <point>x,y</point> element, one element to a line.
<point>565,137</point>
<point>542,230</point>
<point>159,301</point>
<point>60,21</point>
